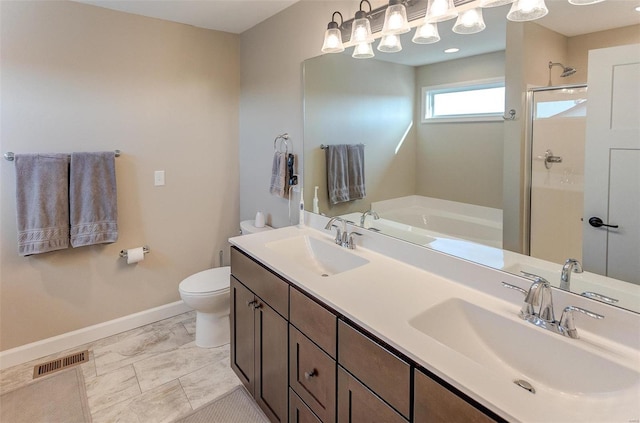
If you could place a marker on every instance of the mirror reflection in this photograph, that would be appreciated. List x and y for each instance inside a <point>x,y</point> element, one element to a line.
<point>451,183</point>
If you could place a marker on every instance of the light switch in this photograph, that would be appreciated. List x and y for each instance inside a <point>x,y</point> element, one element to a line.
<point>158,178</point>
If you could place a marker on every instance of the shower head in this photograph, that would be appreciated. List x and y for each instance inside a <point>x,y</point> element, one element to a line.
<point>566,70</point>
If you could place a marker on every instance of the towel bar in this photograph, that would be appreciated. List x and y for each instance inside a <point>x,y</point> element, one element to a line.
<point>10,156</point>
<point>123,253</point>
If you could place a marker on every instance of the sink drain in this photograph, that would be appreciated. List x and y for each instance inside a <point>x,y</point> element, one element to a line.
<point>525,385</point>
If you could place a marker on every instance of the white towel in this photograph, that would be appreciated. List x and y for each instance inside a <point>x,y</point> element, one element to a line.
<point>42,202</point>
<point>345,172</point>
<point>93,198</point>
<point>279,184</point>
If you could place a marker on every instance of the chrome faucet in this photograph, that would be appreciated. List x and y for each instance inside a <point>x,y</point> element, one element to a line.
<point>571,265</point>
<point>538,309</point>
<point>343,238</point>
<point>368,213</point>
<point>341,234</point>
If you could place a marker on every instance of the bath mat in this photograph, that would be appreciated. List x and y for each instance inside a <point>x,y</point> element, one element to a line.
<point>58,398</point>
<point>234,407</point>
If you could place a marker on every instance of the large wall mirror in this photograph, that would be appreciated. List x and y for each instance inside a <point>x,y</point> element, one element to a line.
<point>445,184</point>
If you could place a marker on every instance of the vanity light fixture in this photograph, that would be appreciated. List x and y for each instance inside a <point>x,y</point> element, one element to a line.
<point>362,51</point>
<point>333,36</point>
<point>395,19</point>
<point>527,10</point>
<point>361,27</point>
<point>391,19</point>
<point>390,44</point>
<point>440,10</point>
<point>469,22</point>
<point>427,33</point>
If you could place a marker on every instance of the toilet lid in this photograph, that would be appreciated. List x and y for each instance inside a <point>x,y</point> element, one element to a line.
<point>207,281</point>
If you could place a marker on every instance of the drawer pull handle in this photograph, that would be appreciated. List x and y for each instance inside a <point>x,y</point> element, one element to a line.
<point>309,375</point>
<point>252,303</point>
<point>257,305</point>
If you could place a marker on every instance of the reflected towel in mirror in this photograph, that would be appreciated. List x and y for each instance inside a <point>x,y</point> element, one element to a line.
<point>345,172</point>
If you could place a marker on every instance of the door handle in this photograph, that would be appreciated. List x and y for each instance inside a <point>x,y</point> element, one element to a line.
<point>549,159</point>
<point>596,222</point>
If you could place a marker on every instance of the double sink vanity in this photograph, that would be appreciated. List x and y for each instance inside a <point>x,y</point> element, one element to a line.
<point>393,333</point>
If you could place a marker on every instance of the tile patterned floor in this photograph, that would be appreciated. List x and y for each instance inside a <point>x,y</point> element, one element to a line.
<point>154,373</point>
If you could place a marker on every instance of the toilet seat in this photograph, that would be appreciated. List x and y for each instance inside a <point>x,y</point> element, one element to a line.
<point>207,282</point>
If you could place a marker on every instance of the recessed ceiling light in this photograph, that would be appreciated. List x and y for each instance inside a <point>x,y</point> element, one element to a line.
<point>637,8</point>
<point>452,50</point>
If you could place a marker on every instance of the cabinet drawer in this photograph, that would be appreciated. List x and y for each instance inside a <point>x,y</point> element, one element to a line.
<point>356,403</point>
<point>315,321</point>
<point>312,375</point>
<point>380,370</point>
<point>299,412</point>
<point>433,403</point>
<point>261,281</point>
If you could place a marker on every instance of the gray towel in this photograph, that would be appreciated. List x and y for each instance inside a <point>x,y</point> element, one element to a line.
<point>42,202</point>
<point>345,172</point>
<point>278,184</point>
<point>92,198</point>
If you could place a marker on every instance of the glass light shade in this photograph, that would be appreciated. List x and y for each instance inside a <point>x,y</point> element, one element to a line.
<point>362,51</point>
<point>427,33</point>
<point>527,10</point>
<point>332,41</point>
<point>440,10</point>
<point>469,22</point>
<point>390,44</point>
<point>584,2</point>
<point>494,3</point>
<point>395,19</point>
<point>361,31</point>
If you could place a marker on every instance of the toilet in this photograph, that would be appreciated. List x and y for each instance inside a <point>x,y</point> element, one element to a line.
<point>208,293</point>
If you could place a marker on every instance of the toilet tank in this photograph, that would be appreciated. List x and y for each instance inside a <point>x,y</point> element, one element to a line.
<point>248,227</point>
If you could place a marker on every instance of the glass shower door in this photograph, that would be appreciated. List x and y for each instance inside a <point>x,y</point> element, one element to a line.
<point>557,173</point>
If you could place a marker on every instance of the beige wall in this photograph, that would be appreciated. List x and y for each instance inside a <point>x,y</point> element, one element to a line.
<point>81,78</point>
<point>460,161</point>
<point>351,101</point>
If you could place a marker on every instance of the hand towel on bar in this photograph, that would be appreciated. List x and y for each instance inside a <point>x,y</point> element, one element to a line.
<point>42,202</point>
<point>345,172</point>
<point>279,175</point>
<point>92,198</point>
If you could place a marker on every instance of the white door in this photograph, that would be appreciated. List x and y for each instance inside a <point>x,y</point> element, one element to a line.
<point>612,160</point>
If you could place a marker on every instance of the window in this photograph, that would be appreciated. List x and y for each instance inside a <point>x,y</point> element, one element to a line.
<point>468,101</point>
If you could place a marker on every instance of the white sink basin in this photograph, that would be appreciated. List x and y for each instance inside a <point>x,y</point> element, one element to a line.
<point>318,256</point>
<point>518,350</point>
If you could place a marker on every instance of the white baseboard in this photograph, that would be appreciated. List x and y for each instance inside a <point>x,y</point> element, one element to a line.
<point>68,340</point>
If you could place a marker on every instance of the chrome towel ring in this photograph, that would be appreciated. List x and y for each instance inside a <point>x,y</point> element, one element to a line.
<point>283,138</point>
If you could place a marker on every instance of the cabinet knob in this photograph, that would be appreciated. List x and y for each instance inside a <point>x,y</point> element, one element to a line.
<point>309,375</point>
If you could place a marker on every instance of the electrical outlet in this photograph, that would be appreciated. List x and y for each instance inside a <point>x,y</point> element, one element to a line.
<point>158,178</point>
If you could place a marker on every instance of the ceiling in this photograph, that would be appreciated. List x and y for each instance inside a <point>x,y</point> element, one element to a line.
<point>237,16</point>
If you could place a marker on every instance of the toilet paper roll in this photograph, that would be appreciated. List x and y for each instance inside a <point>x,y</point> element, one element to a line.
<point>135,255</point>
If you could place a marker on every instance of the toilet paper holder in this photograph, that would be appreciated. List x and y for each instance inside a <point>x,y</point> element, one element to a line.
<point>123,253</point>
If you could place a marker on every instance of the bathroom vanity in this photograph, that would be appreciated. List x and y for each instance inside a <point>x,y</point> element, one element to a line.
<point>320,333</point>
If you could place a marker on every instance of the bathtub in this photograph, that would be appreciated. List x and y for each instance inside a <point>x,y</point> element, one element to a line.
<point>482,225</point>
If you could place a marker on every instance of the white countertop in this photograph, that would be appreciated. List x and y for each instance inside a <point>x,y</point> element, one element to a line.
<point>385,294</point>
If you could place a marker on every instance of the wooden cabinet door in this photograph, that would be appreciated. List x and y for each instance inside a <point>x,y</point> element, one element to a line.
<point>271,341</point>
<point>433,403</point>
<point>356,403</point>
<point>242,333</point>
<point>299,412</point>
<point>312,375</point>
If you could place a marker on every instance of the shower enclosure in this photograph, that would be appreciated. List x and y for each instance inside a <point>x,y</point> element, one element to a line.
<point>557,139</point>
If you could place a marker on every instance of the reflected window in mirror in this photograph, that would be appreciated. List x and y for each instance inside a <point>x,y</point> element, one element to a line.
<point>467,101</point>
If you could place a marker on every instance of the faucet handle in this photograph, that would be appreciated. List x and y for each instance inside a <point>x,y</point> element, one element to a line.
<point>351,243</point>
<point>527,309</point>
<point>567,323</point>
